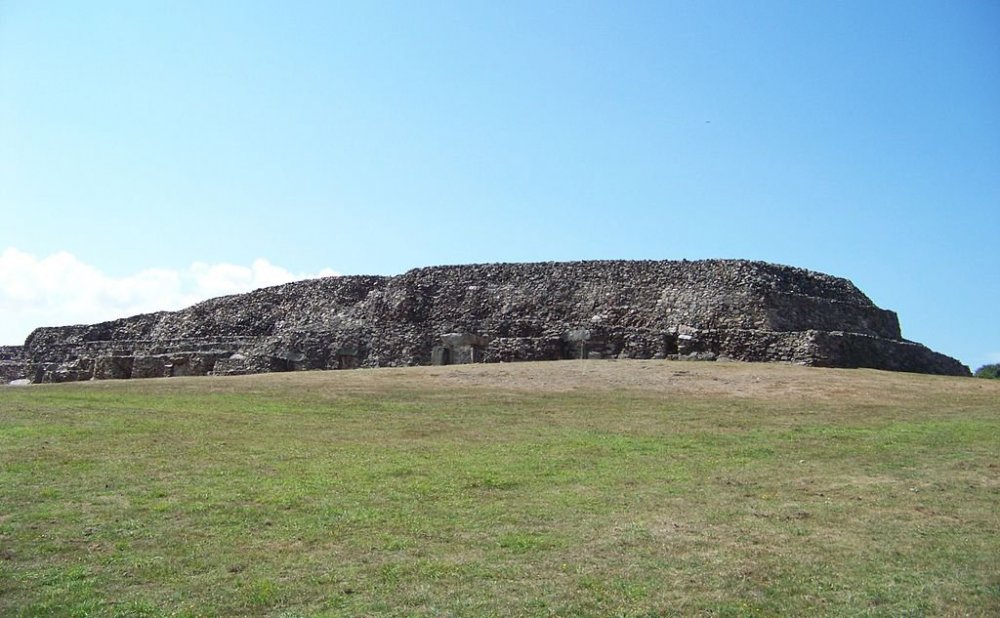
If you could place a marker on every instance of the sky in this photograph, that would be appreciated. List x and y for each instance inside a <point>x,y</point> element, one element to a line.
<point>153,154</point>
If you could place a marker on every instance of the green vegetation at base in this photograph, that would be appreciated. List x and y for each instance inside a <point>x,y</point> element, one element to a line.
<point>708,489</point>
<point>989,371</point>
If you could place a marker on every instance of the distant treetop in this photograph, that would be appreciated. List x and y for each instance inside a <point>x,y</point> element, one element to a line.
<point>989,371</point>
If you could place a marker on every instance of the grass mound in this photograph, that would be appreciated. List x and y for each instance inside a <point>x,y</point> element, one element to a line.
<point>629,488</point>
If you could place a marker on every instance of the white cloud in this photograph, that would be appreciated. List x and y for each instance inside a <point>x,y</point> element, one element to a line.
<point>60,289</point>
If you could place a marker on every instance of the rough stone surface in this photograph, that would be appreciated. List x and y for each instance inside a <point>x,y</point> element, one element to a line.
<point>704,310</point>
<point>13,364</point>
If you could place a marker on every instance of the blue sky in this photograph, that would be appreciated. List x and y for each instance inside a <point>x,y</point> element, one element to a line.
<point>154,153</point>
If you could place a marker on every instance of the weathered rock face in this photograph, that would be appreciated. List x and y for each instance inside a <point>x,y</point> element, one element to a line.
<point>13,364</point>
<point>709,309</point>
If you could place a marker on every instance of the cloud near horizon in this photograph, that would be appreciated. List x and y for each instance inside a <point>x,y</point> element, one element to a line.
<point>61,289</point>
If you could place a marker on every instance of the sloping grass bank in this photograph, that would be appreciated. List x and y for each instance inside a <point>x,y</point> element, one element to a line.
<point>597,488</point>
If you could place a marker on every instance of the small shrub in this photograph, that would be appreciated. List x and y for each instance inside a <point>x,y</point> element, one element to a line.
<point>989,371</point>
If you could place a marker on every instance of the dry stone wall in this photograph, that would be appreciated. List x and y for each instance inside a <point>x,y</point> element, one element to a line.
<point>751,311</point>
<point>13,364</point>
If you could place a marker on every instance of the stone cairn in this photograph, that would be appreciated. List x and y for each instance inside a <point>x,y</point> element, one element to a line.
<point>701,310</point>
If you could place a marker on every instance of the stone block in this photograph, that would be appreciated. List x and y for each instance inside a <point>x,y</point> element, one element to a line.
<point>150,367</point>
<point>113,367</point>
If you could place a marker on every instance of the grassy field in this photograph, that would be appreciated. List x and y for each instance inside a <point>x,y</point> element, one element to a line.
<point>602,488</point>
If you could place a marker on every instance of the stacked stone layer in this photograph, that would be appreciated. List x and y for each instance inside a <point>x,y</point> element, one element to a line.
<point>735,309</point>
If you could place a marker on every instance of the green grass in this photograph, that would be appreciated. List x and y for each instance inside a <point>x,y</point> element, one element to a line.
<point>539,489</point>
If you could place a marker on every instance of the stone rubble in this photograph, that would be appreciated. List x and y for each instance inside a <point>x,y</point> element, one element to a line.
<point>701,310</point>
